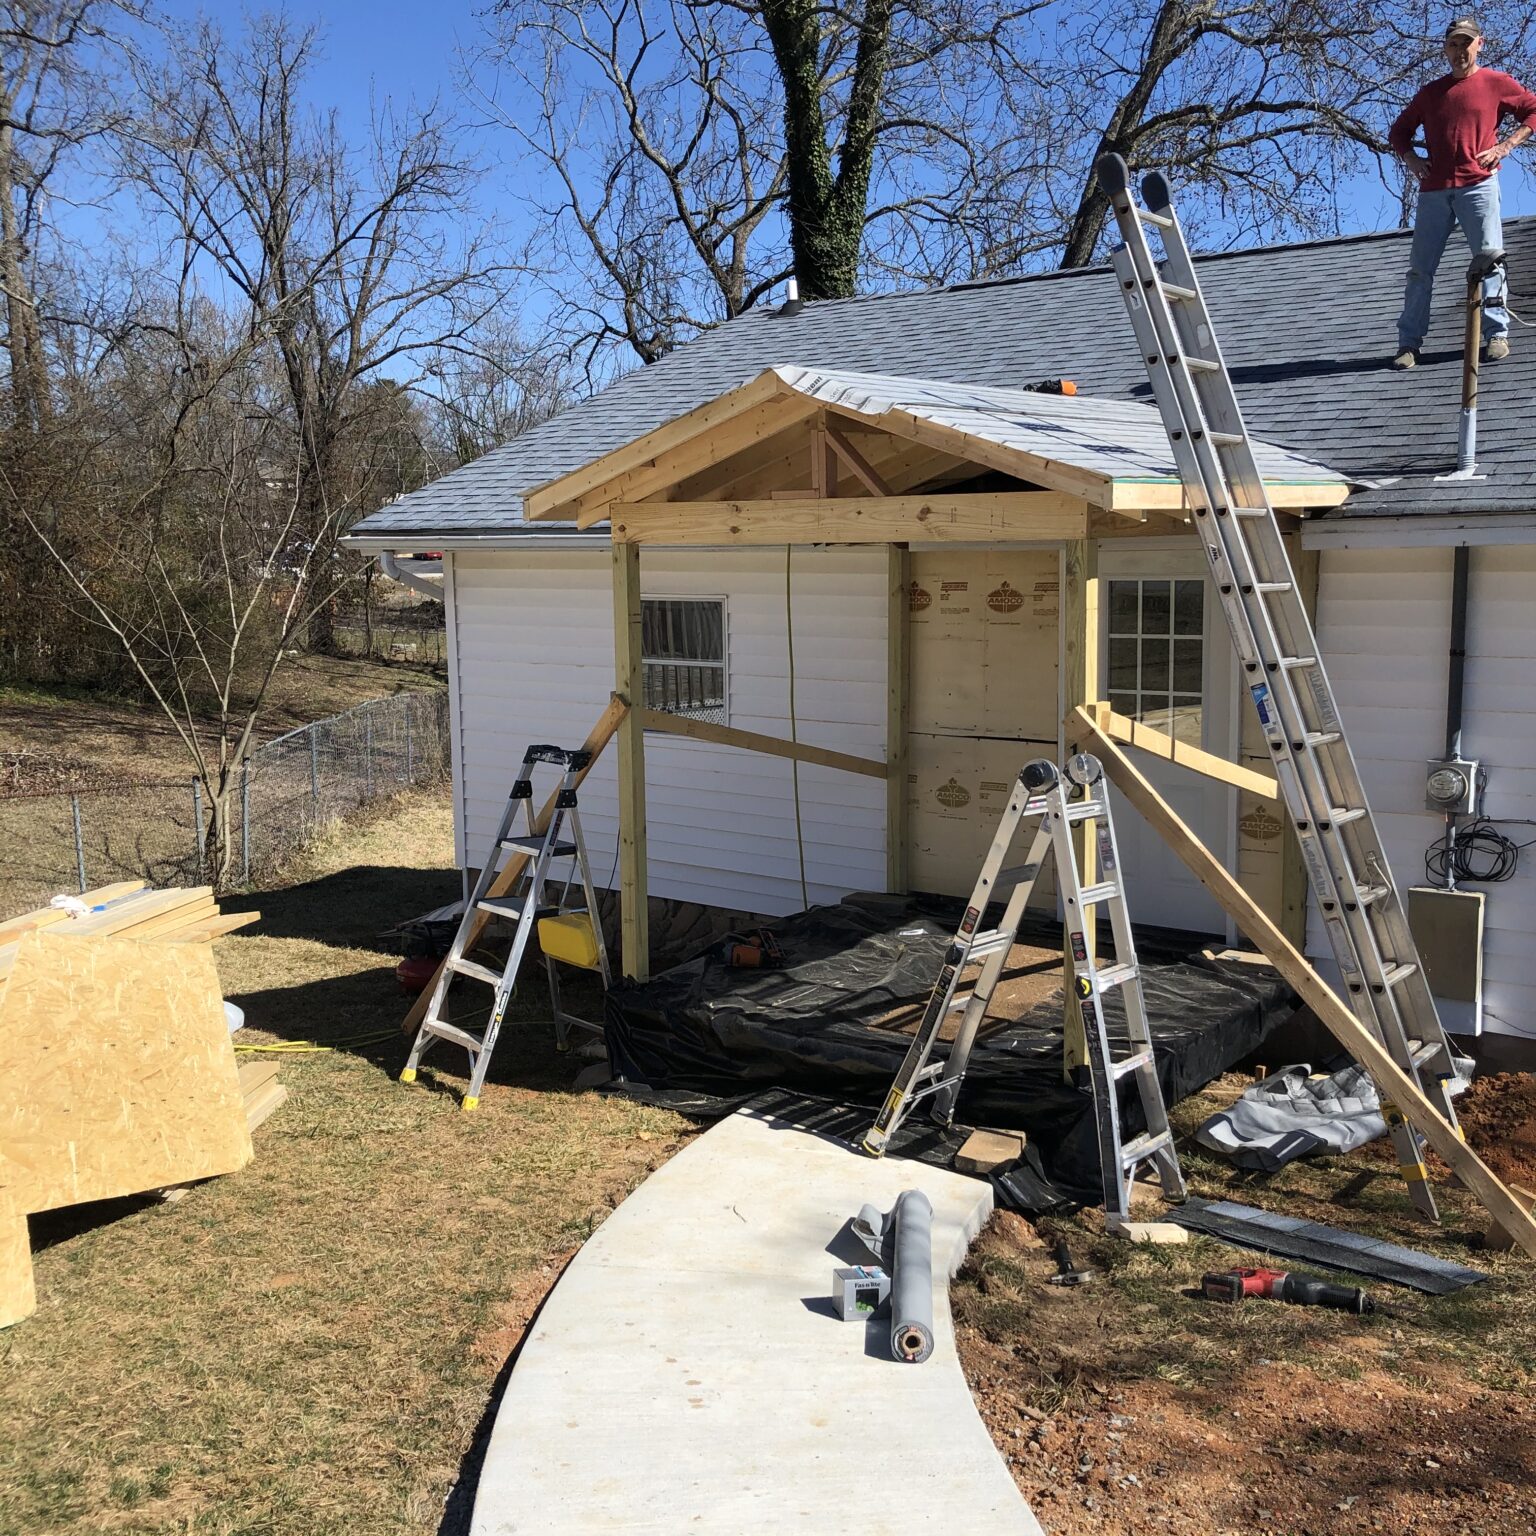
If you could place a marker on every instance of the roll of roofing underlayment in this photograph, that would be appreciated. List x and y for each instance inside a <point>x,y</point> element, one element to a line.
<point>902,1239</point>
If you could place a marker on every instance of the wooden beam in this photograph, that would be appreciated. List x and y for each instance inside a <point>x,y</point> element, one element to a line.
<point>755,741</point>
<point>1079,683</point>
<point>943,518</point>
<point>1391,1081</point>
<point>863,470</point>
<point>597,739</point>
<point>1168,495</point>
<point>1132,733</point>
<point>540,503</point>
<point>46,917</point>
<point>206,931</point>
<point>629,679</point>
<point>898,577</point>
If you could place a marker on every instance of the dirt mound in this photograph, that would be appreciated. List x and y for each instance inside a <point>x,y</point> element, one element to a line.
<point>1498,1113</point>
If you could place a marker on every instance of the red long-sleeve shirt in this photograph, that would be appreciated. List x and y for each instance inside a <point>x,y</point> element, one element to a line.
<point>1460,119</point>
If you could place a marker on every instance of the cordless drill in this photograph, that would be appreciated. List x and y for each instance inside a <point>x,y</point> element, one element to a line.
<point>1280,1284</point>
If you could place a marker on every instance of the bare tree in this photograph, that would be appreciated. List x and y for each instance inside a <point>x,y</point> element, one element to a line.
<point>483,396</point>
<point>182,536</point>
<point>929,140</point>
<point>351,266</point>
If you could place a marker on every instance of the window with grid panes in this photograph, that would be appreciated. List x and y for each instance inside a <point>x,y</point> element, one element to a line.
<point>682,653</point>
<point>1156,654</point>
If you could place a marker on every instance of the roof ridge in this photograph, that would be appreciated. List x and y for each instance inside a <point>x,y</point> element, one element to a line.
<point>1057,274</point>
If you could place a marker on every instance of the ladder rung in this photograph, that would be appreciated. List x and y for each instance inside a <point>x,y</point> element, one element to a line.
<point>1174,291</point>
<point>1116,975</point>
<point>928,1073</point>
<point>1226,439</point>
<point>1143,1146</point>
<point>1250,512</point>
<point>456,1035</point>
<point>1296,663</point>
<point>1161,220</point>
<point>1372,893</point>
<point>526,844</point>
<point>506,906</point>
<point>1203,365</point>
<point>1323,738</point>
<point>1133,1063</point>
<point>988,943</point>
<point>1284,586</point>
<point>478,971</point>
<point>1396,973</point>
<point>1084,810</point>
<point>1342,815</point>
<point>963,1000</point>
<point>1092,895</point>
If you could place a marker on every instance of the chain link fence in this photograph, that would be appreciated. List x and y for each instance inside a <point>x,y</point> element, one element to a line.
<point>287,791</point>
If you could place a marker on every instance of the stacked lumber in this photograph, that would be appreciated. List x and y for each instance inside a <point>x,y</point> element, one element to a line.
<point>261,1091</point>
<point>129,909</point>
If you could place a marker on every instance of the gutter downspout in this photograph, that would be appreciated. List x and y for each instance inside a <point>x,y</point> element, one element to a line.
<point>424,585</point>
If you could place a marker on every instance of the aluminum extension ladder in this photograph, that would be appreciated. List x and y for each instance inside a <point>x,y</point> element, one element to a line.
<point>524,906</point>
<point>1044,792</point>
<point>1346,865</point>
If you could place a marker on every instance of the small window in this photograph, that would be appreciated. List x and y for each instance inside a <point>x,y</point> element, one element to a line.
<point>1156,655</point>
<point>682,648</point>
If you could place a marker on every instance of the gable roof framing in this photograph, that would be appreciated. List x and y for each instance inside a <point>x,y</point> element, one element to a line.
<point>1107,454</point>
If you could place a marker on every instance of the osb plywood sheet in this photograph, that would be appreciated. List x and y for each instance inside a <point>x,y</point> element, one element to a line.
<point>957,791</point>
<point>18,1298</point>
<point>126,1074</point>
<point>983,628</point>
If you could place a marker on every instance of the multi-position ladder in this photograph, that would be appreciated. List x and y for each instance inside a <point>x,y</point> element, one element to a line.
<point>568,930</point>
<point>1042,791</point>
<point>1348,870</point>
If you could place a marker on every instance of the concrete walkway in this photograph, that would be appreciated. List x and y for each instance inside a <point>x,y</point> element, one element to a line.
<point>688,1375</point>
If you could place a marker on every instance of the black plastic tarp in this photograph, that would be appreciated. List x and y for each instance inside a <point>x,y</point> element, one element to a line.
<point>705,1038</point>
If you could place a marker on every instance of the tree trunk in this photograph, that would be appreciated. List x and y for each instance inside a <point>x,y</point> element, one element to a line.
<point>827,212</point>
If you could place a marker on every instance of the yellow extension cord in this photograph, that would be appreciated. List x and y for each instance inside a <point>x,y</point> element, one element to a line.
<point>311,1047</point>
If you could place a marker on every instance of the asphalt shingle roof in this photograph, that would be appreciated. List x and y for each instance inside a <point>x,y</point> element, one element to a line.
<point>1307,331</point>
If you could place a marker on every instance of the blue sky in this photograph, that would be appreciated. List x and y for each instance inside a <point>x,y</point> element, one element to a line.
<point>388,49</point>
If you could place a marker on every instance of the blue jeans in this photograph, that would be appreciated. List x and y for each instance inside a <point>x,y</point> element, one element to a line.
<point>1476,209</point>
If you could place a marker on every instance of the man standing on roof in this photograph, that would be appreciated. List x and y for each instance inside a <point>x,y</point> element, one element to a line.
<point>1458,180</point>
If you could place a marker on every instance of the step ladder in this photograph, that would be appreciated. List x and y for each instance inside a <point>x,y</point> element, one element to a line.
<point>1347,868</point>
<point>569,931</point>
<point>1059,801</point>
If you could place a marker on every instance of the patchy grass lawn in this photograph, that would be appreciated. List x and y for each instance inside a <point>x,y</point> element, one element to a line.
<point>120,738</point>
<point>1132,1406</point>
<point>308,1346</point>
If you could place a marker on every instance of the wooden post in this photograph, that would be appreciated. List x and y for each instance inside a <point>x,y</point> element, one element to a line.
<point>1079,685</point>
<point>1391,1081</point>
<point>897,647</point>
<point>634,899</point>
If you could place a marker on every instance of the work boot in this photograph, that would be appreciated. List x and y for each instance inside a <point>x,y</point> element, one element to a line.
<point>1496,349</point>
<point>1407,358</point>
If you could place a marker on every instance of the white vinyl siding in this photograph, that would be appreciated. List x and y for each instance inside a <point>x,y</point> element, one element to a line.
<point>534,641</point>
<point>1384,618</point>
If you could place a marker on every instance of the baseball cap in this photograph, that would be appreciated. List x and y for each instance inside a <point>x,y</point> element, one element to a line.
<point>1464,26</point>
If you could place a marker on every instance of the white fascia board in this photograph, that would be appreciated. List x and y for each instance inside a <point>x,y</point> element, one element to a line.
<point>464,543</point>
<point>1419,530</point>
